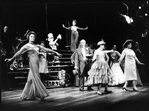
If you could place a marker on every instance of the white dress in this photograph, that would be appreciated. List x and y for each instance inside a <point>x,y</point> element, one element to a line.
<point>130,72</point>
<point>116,69</point>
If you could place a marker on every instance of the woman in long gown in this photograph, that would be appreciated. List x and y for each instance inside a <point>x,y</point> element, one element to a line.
<point>34,88</point>
<point>100,73</point>
<point>130,71</point>
<point>115,67</point>
<point>74,34</point>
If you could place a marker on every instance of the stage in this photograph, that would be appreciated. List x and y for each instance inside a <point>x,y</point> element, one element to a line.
<point>104,21</point>
<point>71,99</point>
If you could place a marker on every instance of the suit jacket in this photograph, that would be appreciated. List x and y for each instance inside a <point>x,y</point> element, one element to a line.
<point>77,58</point>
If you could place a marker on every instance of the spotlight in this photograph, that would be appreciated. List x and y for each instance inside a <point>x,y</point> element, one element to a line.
<point>140,7</point>
<point>146,14</point>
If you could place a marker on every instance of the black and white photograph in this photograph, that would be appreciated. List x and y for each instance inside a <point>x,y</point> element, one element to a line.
<point>74,55</point>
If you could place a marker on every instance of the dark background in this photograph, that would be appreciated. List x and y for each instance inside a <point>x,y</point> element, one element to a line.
<point>101,17</point>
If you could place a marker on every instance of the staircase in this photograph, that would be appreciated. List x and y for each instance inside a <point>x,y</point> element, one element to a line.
<point>63,63</point>
<point>64,60</point>
<point>51,79</point>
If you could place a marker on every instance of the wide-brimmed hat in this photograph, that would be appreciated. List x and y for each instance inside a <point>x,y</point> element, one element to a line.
<point>50,35</point>
<point>101,42</point>
<point>127,42</point>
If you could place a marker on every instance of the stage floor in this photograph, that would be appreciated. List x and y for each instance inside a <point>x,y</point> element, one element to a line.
<point>71,99</point>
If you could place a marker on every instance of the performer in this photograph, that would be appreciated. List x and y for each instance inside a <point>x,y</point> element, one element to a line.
<point>2,51</point>
<point>100,73</point>
<point>7,33</point>
<point>115,67</point>
<point>18,62</point>
<point>53,43</point>
<point>79,58</point>
<point>140,69</point>
<point>3,69</point>
<point>34,88</point>
<point>43,65</point>
<point>5,46</point>
<point>130,72</point>
<point>74,34</point>
<point>128,19</point>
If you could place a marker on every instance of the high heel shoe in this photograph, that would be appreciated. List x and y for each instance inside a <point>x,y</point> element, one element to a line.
<point>81,89</point>
<point>124,88</point>
<point>23,99</point>
<point>135,89</point>
<point>107,92</point>
<point>42,99</point>
<point>99,93</point>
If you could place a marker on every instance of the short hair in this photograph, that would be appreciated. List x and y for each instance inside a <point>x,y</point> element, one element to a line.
<point>83,40</point>
<point>29,33</point>
<point>74,20</point>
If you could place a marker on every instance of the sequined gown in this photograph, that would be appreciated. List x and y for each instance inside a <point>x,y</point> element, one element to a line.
<point>74,40</point>
<point>34,88</point>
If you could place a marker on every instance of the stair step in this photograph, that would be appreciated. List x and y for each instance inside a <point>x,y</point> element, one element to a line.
<point>53,72</point>
<point>64,55</point>
<point>65,51</point>
<point>18,72</point>
<point>61,62</point>
<point>20,77</point>
<point>54,77</point>
<point>59,66</point>
<point>65,59</point>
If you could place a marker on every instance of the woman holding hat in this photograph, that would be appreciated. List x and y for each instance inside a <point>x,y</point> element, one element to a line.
<point>53,43</point>
<point>34,88</point>
<point>130,58</point>
<point>100,73</point>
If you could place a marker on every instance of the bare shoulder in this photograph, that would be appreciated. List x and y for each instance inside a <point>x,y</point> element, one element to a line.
<point>25,45</point>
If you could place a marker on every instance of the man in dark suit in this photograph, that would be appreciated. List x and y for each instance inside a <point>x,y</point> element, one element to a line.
<point>81,63</point>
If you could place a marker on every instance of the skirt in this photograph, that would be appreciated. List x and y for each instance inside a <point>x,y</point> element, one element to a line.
<point>100,73</point>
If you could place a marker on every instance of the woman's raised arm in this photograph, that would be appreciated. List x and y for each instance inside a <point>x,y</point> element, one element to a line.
<point>47,50</point>
<point>66,27</point>
<point>18,53</point>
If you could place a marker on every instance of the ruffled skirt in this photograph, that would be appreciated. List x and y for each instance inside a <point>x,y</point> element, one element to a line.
<point>100,73</point>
